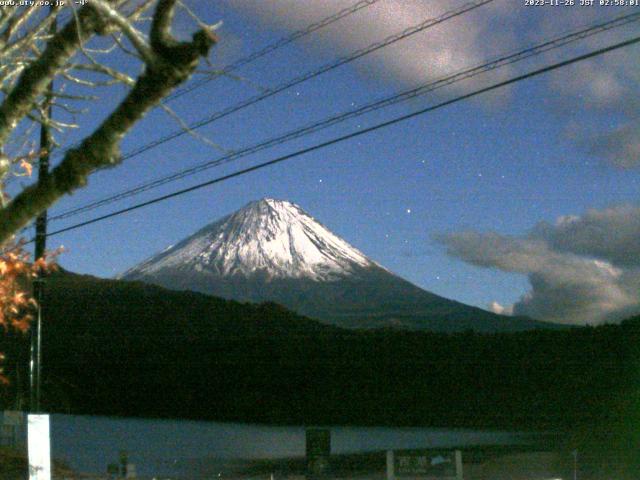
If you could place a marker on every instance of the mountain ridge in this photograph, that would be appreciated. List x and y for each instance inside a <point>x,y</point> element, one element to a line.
<point>272,250</point>
<point>268,235</point>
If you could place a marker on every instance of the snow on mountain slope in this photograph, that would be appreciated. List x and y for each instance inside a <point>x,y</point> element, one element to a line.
<point>270,237</point>
<point>271,250</point>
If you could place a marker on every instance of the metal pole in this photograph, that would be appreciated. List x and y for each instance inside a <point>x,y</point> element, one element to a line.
<point>390,466</point>
<point>38,284</point>
<point>46,143</point>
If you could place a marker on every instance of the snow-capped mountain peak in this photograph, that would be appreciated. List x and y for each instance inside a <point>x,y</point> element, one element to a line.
<point>268,237</point>
<point>273,251</point>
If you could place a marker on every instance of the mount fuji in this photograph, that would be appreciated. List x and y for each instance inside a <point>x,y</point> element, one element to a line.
<point>273,251</point>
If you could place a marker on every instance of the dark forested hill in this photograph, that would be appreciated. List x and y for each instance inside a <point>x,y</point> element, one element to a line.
<point>126,348</point>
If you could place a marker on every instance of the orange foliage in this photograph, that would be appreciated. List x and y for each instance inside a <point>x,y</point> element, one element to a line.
<point>26,166</point>
<point>16,271</point>
<point>16,301</point>
<point>25,162</point>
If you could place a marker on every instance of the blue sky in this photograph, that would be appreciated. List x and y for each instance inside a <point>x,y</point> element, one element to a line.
<point>558,145</point>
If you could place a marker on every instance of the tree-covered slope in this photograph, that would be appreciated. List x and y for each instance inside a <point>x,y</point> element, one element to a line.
<point>126,348</point>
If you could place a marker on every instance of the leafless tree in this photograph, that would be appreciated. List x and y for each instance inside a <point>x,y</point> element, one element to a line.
<point>79,55</point>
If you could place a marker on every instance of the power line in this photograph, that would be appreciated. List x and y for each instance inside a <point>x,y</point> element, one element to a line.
<point>316,126</point>
<point>309,75</point>
<point>345,12</point>
<point>498,62</point>
<point>349,136</point>
<point>325,22</point>
<point>274,46</point>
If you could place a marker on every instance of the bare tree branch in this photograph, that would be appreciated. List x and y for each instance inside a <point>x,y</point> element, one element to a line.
<point>16,22</point>
<point>36,77</point>
<point>190,131</point>
<point>173,63</point>
<point>135,37</point>
<point>105,70</point>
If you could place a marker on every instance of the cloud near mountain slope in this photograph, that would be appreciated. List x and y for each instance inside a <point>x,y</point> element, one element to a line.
<point>582,269</point>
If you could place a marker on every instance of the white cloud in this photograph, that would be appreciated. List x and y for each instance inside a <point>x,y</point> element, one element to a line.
<point>582,270</point>
<point>620,146</point>
<point>611,234</point>
<point>460,42</point>
<point>605,88</point>
<point>495,307</point>
<point>606,85</point>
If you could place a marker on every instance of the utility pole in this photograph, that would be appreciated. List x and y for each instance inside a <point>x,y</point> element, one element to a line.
<point>38,283</point>
<point>46,143</point>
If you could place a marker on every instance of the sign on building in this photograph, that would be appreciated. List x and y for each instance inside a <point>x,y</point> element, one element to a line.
<point>424,464</point>
<point>318,451</point>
